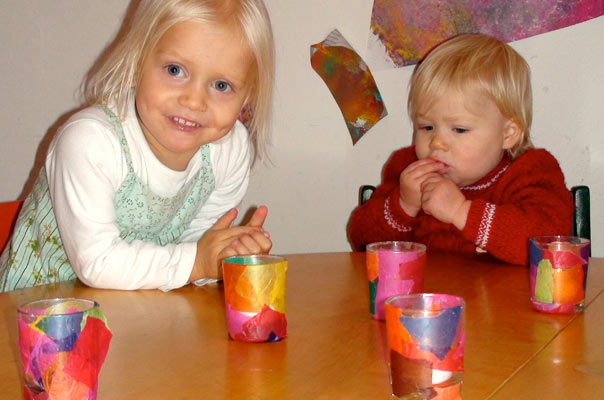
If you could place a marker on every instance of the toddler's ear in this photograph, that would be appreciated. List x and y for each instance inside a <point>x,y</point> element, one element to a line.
<point>511,134</point>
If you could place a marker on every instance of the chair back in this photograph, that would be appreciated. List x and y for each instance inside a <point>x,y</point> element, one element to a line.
<point>365,193</point>
<point>582,218</point>
<point>8,216</point>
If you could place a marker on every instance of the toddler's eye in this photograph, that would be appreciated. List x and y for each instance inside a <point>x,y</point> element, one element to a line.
<point>174,70</point>
<point>221,86</point>
<point>426,128</point>
<point>460,130</point>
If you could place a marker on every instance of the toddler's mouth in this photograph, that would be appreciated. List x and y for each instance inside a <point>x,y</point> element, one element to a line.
<point>444,167</point>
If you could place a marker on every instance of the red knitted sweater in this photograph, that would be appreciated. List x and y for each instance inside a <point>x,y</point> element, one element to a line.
<point>516,200</point>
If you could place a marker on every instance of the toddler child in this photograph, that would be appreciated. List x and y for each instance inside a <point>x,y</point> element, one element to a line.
<point>472,181</point>
<point>138,190</point>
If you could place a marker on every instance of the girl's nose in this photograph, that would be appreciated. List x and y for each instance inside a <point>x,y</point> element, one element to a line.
<point>438,142</point>
<point>194,98</point>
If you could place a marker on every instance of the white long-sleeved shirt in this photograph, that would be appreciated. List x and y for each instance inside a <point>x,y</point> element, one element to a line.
<point>85,167</point>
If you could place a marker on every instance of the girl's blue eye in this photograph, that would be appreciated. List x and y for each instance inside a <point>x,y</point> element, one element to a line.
<point>174,70</point>
<point>221,86</point>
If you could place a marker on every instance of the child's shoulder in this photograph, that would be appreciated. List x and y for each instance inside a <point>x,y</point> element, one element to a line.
<point>534,167</point>
<point>536,158</point>
<point>238,136</point>
<point>90,127</point>
<point>234,144</point>
<point>93,117</point>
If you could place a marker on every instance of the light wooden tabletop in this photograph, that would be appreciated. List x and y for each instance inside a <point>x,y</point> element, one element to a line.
<point>175,345</point>
<point>570,367</point>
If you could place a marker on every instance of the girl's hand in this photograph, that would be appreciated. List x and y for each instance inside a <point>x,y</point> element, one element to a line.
<point>442,199</point>
<point>410,181</point>
<point>216,243</point>
<point>257,241</point>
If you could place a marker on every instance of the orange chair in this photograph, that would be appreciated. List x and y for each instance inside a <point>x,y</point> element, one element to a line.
<point>8,215</point>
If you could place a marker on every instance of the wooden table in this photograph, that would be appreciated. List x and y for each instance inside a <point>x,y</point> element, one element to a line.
<point>174,345</point>
<point>570,367</point>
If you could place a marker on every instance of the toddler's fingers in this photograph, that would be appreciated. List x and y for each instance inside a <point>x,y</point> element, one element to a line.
<point>430,181</point>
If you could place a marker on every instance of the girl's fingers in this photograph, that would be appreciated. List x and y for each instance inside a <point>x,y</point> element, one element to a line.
<point>227,252</point>
<point>258,217</point>
<point>256,243</point>
<point>226,220</point>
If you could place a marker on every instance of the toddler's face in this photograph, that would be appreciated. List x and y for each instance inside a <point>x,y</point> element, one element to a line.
<point>192,88</point>
<point>466,132</point>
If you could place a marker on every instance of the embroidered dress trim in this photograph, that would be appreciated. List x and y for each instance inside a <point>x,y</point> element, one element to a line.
<point>484,230</point>
<point>390,219</point>
<point>487,184</point>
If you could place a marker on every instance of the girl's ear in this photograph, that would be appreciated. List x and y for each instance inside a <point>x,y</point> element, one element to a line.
<point>511,134</point>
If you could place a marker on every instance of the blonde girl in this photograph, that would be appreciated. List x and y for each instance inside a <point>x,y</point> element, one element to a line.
<point>139,189</point>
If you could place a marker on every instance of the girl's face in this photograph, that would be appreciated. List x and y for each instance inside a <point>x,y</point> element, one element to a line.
<point>191,89</point>
<point>466,132</point>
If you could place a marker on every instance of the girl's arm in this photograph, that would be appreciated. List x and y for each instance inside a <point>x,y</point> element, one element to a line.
<point>231,158</point>
<point>85,167</point>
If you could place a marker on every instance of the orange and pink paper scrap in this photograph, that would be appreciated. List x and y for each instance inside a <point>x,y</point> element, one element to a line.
<point>255,298</point>
<point>350,82</point>
<point>403,31</point>
<point>62,355</point>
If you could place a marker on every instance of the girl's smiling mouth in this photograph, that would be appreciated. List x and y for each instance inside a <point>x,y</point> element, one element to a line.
<point>184,124</point>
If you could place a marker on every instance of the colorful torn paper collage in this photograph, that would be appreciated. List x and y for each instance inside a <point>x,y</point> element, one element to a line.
<point>403,31</point>
<point>391,274</point>
<point>62,354</point>
<point>350,82</point>
<point>426,349</point>
<point>558,278</point>
<point>255,299</point>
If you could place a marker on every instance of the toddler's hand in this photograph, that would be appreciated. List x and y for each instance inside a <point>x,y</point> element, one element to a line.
<point>410,182</point>
<point>442,199</point>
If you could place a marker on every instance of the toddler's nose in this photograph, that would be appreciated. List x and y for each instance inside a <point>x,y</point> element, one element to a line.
<point>438,143</point>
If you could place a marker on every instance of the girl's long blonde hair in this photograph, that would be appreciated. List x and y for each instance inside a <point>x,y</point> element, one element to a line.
<point>113,76</point>
<point>477,61</point>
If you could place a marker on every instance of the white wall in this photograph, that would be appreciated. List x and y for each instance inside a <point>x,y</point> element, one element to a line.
<point>312,185</point>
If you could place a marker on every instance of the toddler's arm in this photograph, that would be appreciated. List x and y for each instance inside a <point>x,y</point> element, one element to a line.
<point>382,217</point>
<point>531,200</point>
<point>443,199</point>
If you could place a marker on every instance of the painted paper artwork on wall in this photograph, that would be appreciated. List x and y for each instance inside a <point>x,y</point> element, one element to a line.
<point>402,31</point>
<point>350,82</point>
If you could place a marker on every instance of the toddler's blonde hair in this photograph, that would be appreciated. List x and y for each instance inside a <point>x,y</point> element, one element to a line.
<point>477,61</point>
<point>116,73</point>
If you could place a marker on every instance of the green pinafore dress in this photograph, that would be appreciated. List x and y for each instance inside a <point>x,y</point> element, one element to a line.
<point>35,254</point>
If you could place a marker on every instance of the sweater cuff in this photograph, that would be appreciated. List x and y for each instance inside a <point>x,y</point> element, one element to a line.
<point>479,223</point>
<point>394,214</point>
